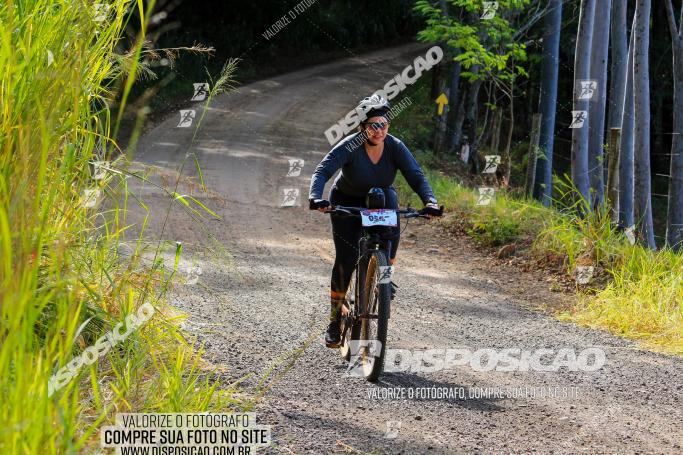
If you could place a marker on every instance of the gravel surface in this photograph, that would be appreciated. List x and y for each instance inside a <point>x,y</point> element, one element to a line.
<point>265,306</point>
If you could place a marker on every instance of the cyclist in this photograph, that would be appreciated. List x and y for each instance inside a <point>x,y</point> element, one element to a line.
<point>369,158</point>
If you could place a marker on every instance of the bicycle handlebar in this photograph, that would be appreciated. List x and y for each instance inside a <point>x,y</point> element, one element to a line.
<point>355,211</point>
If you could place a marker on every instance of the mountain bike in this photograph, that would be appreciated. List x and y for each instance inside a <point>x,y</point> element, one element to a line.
<point>366,308</point>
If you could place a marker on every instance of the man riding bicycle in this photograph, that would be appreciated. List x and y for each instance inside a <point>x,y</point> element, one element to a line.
<point>364,164</point>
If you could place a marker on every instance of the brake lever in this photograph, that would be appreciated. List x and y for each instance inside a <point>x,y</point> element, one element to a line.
<point>339,211</point>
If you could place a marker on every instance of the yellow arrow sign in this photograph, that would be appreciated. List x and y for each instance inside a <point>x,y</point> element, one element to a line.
<point>442,100</point>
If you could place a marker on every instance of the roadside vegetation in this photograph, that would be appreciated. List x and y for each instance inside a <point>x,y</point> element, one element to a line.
<point>641,299</point>
<point>69,272</point>
<point>640,291</point>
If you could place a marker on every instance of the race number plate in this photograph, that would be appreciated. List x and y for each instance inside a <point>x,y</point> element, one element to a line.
<point>379,217</point>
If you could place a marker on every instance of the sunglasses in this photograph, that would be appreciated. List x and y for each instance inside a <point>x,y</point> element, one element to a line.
<point>378,125</point>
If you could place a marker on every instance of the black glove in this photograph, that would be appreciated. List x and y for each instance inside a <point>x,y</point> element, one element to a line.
<point>432,209</point>
<point>315,204</point>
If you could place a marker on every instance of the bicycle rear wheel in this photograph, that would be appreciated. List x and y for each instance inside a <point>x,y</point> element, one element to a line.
<point>375,299</point>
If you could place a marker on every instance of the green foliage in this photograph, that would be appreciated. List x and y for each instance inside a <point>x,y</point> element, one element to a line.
<point>495,231</point>
<point>64,281</point>
<point>505,220</point>
<point>414,123</point>
<point>489,44</point>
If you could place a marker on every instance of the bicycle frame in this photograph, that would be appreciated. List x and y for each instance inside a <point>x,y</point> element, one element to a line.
<point>370,241</point>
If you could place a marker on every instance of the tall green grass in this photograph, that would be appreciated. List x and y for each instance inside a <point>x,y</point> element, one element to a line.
<point>642,301</point>
<point>63,280</point>
<point>641,296</point>
<point>504,220</point>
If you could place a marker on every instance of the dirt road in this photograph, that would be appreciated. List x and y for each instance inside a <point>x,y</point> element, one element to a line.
<point>274,295</point>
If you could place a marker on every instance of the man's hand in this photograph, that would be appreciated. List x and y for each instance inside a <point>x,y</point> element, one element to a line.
<point>321,205</point>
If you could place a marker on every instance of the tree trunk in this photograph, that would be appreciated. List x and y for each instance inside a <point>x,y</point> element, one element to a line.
<point>496,129</point>
<point>454,97</point>
<point>441,85</point>
<point>464,112</point>
<point>613,174</point>
<point>533,154</point>
<point>458,102</point>
<point>626,217</point>
<point>584,40</point>
<point>437,77</point>
<point>486,127</point>
<point>598,71</point>
<point>619,55</point>
<point>619,37</point>
<point>471,120</point>
<point>543,189</point>
<point>459,118</point>
<point>440,130</point>
<point>508,144</point>
<point>641,145</point>
<point>674,223</point>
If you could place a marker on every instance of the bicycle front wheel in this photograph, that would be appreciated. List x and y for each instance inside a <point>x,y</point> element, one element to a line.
<point>350,326</point>
<point>375,298</point>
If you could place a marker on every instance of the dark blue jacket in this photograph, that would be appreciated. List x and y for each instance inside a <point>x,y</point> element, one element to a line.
<point>358,174</point>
